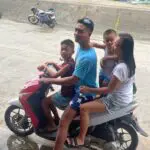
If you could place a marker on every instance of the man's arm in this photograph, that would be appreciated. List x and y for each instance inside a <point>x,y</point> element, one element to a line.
<point>97,45</point>
<point>114,83</point>
<point>104,59</point>
<point>110,57</point>
<point>61,81</point>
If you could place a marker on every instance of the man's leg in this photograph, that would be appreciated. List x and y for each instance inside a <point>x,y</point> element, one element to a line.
<point>46,103</point>
<point>65,121</point>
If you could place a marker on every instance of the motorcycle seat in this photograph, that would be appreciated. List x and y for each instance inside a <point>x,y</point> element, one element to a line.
<point>99,118</point>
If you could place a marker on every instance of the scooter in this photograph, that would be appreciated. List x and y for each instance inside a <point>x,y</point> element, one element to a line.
<point>115,131</point>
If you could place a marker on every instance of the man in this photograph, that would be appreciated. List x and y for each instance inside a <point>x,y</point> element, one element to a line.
<point>83,75</point>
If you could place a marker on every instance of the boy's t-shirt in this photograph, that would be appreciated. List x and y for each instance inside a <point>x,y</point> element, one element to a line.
<point>68,91</point>
<point>86,68</point>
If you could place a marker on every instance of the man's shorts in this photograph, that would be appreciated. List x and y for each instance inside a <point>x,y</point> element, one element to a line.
<point>77,100</point>
<point>60,101</point>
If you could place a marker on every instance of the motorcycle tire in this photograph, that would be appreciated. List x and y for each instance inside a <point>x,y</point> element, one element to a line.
<point>122,129</point>
<point>19,123</point>
<point>52,24</point>
<point>33,19</point>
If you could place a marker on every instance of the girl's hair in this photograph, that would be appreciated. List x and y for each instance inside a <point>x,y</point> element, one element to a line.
<point>127,48</point>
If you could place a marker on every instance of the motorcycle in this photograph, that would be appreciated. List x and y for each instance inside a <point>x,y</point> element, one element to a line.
<point>115,131</point>
<point>44,17</point>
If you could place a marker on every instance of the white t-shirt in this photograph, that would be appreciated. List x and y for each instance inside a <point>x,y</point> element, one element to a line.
<point>124,94</point>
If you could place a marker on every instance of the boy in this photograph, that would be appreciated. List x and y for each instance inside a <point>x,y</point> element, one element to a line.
<point>60,99</point>
<point>109,60</point>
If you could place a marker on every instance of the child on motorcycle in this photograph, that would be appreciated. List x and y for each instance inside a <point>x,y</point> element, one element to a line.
<point>60,99</point>
<point>108,62</point>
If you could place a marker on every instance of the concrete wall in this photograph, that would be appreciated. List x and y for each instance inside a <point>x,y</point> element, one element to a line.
<point>133,21</point>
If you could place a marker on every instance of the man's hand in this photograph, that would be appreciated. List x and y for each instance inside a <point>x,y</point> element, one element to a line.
<point>44,80</point>
<point>84,89</point>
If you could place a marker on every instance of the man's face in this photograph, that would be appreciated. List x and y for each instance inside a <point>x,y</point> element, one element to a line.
<point>81,33</point>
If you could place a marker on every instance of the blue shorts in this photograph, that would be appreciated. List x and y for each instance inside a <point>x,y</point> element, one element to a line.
<point>77,100</point>
<point>60,101</point>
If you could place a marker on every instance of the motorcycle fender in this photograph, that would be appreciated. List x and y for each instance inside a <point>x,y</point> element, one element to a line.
<point>15,102</point>
<point>53,17</point>
<point>135,125</point>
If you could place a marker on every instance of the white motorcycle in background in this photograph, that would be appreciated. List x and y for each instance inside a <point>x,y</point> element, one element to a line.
<point>43,17</point>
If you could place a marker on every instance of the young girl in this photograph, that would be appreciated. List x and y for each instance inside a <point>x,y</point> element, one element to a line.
<point>119,90</point>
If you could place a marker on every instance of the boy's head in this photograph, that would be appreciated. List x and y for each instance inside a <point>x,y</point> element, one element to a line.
<point>109,37</point>
<point>67,49</point>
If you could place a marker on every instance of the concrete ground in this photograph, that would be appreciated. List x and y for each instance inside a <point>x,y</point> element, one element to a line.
<point>24,46</point>
<point>105,14</point>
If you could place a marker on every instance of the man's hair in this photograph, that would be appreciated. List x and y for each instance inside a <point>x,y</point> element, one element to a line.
<point>68,42</point>
<point>87,22</point>
<point>109,31</point>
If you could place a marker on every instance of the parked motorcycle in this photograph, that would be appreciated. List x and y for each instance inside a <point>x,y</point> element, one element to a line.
<point>118,130</point>
<point>44,17</point>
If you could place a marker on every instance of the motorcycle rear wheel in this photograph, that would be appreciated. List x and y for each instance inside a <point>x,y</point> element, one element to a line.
<point>17,121</point>
<point>126,137</point>
<point>33,19</point>
<point>52,24</point>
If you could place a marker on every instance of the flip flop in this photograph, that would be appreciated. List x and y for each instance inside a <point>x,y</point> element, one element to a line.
<point>73,143</point>
<point>45,130</point>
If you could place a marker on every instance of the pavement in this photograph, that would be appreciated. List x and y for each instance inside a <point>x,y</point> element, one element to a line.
<point>23,47</point>
<point>106,14</point>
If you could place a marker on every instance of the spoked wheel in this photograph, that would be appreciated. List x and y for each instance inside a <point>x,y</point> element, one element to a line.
<point>52,24</point>
<point>17,121</point>
<point>33,19</point>
<point>126,137</point>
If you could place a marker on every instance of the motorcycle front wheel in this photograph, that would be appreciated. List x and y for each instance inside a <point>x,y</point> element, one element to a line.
<point>17,121</point>
<point>33,19</point>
